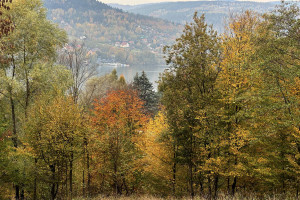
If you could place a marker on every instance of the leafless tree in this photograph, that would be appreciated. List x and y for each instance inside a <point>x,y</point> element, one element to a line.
<point>76,57</point>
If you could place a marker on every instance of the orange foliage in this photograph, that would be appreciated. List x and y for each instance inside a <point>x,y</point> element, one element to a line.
<point>119,122</point>
<point>120,110</point>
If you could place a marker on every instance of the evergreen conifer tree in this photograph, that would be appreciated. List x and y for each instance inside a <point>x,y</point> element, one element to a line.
<point>146,93</point>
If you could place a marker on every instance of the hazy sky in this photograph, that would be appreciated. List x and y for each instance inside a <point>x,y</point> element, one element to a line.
<point>135,2</point>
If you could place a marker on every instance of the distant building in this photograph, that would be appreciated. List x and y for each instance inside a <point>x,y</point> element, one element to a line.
<point>68,48</point>
<point>83,37</point>
<point>91,53</point>
<point>125,45</point>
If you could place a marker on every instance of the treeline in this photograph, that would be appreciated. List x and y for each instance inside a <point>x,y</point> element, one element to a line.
<point>129,56</point>
<point>215,11</point>
<point>225,119</point>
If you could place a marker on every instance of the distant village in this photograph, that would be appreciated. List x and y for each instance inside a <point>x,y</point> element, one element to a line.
<point>149,40</point>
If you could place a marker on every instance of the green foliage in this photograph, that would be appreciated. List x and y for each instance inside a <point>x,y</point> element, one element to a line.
<point>234,117</point>
<point>97,87</point>
<point>28,52</point>
<point>277,55</point>
<point>189,98</point>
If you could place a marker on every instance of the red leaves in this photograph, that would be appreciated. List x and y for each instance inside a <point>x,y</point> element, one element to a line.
<point>6,25</point>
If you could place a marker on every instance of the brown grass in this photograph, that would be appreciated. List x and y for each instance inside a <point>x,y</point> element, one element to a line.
<point>221,197</point>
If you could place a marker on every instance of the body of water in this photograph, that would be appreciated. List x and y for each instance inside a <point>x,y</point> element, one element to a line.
<point>152,71</point>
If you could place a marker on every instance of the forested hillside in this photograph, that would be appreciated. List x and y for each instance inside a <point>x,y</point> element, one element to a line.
<point>224,124</point>
<point>216,12</point>
<point>113,34</point>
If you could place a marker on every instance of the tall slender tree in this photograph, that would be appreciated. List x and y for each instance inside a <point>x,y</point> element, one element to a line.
<point>188,95</point>
<point>55,135</point>
<point>24,49</point>
<point>278,59</point>
<point>236,82</point>
<point>119,121</point>
<point>75,57</point>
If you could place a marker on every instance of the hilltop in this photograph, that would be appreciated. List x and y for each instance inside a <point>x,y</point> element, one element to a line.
<point>215,12</point>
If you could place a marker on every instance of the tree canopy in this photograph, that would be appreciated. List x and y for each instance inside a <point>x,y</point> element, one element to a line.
<point>224,124</point>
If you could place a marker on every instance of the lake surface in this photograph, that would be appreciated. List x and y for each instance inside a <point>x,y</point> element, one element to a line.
<point>152,71</point>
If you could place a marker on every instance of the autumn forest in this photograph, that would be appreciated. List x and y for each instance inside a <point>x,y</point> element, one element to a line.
<point>223,122</point>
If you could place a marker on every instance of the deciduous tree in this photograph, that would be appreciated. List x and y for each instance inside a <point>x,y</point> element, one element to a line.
<point>55,135</point>
<point>119,122</point>
<point>189,97</point>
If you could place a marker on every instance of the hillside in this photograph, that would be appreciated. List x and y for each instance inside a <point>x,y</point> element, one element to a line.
<point>181,12</point>
<point>115,35</point>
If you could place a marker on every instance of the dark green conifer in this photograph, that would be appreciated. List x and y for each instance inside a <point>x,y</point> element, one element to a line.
<point>146,93</point>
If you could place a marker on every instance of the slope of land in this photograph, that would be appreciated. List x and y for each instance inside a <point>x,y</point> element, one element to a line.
<point>113,34</point>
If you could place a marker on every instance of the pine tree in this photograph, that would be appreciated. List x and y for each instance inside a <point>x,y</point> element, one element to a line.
<point>146,93</point>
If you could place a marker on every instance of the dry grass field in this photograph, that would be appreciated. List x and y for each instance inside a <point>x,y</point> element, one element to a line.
<point>221,197</point>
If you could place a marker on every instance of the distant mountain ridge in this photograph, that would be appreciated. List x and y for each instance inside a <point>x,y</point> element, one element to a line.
<point>181,12</point>
<point>66,4</point>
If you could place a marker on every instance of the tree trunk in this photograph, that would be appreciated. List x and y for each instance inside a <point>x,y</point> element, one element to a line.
<point>13,117</point>
<point>201,189</point>
<point>53,187</point>
<point>85,153</point>
<point>27,95</point>
<point>66,190</point>
<point>191,164</point>
<point>83,183</point>
<point>174,175</point>
<point>35,181</point>
<point>216,186</point>
<point>191,179</point>
<point>89,174</point>
<point>17,194</point>
<point>115,179</point>
<point>71,176</point>
<point>228,185</point>
<point>209,187</point>
<point>233,187</point>
<point>283,185</point>
<point>297,193</point>
<point>14,133</point>
<point>125,185</point>
<point>22,196</point>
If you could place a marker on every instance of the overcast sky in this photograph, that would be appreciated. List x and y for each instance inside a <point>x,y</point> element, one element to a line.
<point>135,2</point>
